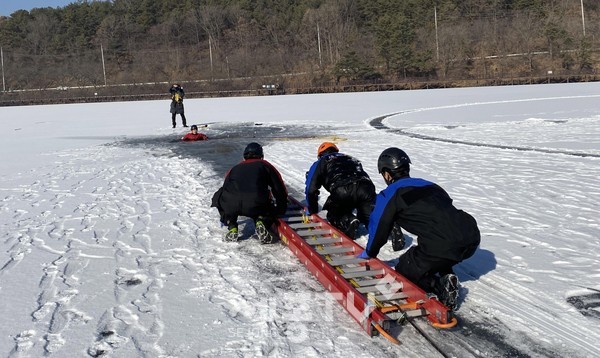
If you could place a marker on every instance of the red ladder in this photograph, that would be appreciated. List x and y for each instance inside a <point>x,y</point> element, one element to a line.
<point>373,293</point>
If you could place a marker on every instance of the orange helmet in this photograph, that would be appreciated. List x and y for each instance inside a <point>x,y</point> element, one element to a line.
<point>326,147</point>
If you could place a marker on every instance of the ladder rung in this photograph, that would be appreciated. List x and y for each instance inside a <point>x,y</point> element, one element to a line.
<point>354,269</point>
<point>324,241</point>
<point>391,297</point>
<point>375,281</point>
<point>363,273</point>
<point>304,233</point>
<point>337,249</point>
<point>293,219</point>
<point>368,289</point>
<point>343,261</point>
<point>305,225</point>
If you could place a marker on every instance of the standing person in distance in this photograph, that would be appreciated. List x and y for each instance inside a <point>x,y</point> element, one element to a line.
<point>445,234</point>
<point>177,95</point>
<point>249,190</point>
<point>194,135</point>
<point>349,187</point>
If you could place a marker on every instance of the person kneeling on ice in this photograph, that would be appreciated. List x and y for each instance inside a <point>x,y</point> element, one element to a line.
<point>349,187</point>
<point>194,135</point>
<point>445,234</point>
<point>249,190</point>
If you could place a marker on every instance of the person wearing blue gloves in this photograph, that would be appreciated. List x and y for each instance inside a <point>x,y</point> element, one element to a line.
<point>445,234</point>
<point>349,187</point>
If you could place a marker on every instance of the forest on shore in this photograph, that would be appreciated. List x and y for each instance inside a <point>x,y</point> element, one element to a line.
<point>138,46</point>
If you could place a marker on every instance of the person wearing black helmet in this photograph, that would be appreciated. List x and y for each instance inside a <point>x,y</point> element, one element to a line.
<point>249,190</point>
<point>177,95</point>
<point>194,135</point>
<point>349,187</point>
<point>445,234</point>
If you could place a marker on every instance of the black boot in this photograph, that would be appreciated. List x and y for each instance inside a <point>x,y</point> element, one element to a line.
<point>348,224</point>
<point>262,227</point>
<point>447,290</point>
<point>397,238</point>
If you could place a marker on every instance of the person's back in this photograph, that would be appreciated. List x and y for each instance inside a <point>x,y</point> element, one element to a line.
<point>249,190</point>
<point>341,169</point>
<point>247,187</point>
<point>425,209</point>
<point>445,234</point>
<point>349,186</point>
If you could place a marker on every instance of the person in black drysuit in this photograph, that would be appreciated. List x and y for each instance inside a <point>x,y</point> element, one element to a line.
<point>249,190</point>
<point>446,235</point>
<point>177,95</point>
<point>349,188</point>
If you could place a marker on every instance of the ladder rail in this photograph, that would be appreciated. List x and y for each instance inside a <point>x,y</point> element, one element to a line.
<point>326,252</point>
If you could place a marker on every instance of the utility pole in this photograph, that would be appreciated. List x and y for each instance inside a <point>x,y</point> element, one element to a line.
<point>2,56</point>
<point>319,44</point>
<point>211,58</point>
<point>437,44</point>
<point>582,18</point>
<point>103,65</point>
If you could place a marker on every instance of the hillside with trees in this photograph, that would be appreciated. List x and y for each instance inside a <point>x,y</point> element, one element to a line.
<point>131,47</point>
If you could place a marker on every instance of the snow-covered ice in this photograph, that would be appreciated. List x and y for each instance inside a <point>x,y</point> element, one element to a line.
<point>108,244</point>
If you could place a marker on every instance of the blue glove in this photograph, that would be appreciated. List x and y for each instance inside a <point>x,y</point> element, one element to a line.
<point>363,255</point>
<point>306,212</point>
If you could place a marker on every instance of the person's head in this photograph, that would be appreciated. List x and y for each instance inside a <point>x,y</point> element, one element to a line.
<point>326,148</point>
<point>194,128</point>
<point>253,151</point>
<point>393,164</point>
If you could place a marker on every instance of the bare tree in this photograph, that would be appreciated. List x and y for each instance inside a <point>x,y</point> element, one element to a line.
<point>525,37</point>
<point>453,40</point>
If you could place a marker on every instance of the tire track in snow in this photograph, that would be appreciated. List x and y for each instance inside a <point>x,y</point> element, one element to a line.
<point>525,315</point>
<point>378,123</point>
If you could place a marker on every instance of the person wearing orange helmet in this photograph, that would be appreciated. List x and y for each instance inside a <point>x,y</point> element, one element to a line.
<point>349,186</point>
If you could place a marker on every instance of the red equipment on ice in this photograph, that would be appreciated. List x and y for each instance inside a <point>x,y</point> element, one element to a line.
<point>373,293</point>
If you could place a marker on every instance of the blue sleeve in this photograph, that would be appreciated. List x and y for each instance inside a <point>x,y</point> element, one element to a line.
<point>379,229</point>
<point>382,217</point>
<point>312,187</point>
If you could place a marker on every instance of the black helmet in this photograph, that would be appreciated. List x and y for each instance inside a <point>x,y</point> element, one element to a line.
<point>253,150</point>
<point>393,160</point>
<point>193,127</point>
